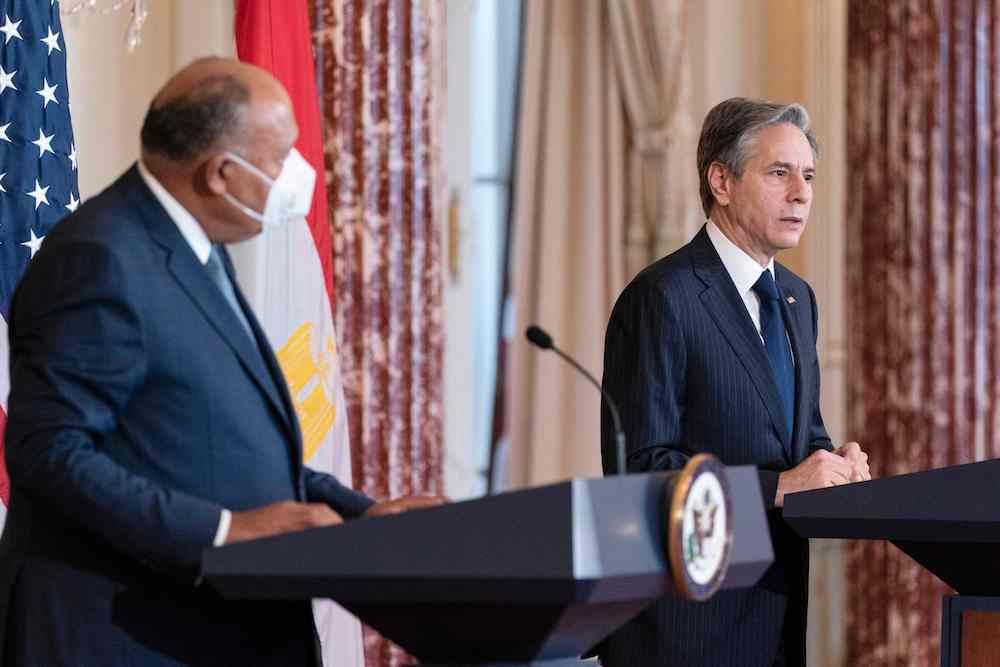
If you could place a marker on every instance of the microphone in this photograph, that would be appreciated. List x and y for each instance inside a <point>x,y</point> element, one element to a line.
<point>539,338</point>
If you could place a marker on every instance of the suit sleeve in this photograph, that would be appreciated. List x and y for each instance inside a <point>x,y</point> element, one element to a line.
<point>77,357</point>
<point>325,488</point>
<point>817,436</point>
<point>644,373</point>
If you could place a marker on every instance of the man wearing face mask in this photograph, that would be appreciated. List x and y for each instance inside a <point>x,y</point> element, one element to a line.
<point>148,418</point>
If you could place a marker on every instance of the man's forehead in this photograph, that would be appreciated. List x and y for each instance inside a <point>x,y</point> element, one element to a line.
<point>785,144</point>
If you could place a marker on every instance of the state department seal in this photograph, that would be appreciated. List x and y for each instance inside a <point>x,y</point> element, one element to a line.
<point>699,527</point>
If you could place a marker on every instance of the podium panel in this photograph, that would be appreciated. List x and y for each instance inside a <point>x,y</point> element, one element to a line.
<point>947,520</point>
<point>527,576</point>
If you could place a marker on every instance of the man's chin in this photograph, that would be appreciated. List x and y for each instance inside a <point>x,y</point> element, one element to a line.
<point>789,239</point>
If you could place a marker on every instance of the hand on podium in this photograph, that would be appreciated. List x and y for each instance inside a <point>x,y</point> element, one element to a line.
<point>823,468</point>
<point>858,459</point>
<point>283,517</point>
<point>404,504</point>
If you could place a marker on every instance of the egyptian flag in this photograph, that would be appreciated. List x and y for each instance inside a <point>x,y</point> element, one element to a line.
<point>287,276</point>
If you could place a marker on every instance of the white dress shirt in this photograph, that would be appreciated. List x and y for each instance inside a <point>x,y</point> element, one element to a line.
<point>742,269</point>
<point>202,247</point>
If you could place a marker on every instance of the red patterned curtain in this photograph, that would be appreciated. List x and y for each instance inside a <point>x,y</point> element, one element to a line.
<point>924,287</point>
<point>376,61</point>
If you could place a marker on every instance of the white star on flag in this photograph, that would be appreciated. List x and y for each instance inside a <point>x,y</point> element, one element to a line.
<point>7,80</point>
<point>73,203</point>
<point>48,93</point>
<point>35,243</point>
<point>44,143</point>
<point>39,194</point>
<point>10,29</point>
<point>2,188</point>
<point>72,155</point>
<point>3,133</point>
<point>52,41</point>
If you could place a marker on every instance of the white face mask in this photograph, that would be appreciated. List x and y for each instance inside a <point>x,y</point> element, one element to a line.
<point>290,195</point>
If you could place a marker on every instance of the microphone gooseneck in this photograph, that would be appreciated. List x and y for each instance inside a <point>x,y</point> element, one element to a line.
<point>541,339</point>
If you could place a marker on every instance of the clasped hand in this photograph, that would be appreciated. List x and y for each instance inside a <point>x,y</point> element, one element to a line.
<point>822,468</point>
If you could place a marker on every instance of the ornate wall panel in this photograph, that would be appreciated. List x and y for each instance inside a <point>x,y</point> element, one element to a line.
<point>923,246</point>
<point>379,104</point>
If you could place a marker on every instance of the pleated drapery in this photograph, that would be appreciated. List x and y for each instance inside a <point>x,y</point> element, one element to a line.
<point>924,280</point>
<point>568,224</point>
<point>651,53</point>
<point>379,103</point>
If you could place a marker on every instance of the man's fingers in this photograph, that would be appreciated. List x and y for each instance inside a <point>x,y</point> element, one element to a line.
<point>839,466</point>
<point>404,504</point>
<point>849,450</point>
<point>318,514</point>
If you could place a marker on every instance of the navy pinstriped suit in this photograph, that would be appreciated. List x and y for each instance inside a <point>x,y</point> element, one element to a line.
<point>139,409</point>
<point>685,364</point>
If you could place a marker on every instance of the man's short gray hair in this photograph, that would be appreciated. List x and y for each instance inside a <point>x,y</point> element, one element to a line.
<point>729,131</point>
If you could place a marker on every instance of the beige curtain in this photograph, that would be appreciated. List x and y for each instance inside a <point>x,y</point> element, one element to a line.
<point>650,48</point>
<point>604,184</point>
<point>569,210</point>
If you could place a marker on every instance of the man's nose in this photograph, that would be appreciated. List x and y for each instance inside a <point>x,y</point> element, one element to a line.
<point>800,190</point>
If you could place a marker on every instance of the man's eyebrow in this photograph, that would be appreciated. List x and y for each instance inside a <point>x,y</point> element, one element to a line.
<point>789,166</point>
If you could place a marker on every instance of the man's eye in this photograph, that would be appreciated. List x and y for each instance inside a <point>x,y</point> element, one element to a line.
<point>779,172</point>
<point>809,177</point>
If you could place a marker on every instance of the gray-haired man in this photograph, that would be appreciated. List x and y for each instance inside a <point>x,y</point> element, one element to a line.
<point>713,349</point>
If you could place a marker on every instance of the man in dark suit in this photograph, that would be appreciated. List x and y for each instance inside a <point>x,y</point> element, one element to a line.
<point>148,417</point>
<point>713,349</point>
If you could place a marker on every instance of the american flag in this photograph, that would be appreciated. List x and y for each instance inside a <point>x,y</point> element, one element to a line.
<point>38,175</point>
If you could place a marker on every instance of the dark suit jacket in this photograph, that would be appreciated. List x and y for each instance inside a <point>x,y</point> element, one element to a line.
<point>139,408</point>
<point>685,364</point>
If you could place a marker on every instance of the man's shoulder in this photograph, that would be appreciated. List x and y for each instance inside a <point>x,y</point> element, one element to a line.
<point>673,273</point>
<point>108,218</point>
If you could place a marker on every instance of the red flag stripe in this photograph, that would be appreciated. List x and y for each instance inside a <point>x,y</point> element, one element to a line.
<point>260,25</point>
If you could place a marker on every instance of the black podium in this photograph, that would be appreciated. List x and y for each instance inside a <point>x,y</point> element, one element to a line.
<point>537,576</point>
<point>948,520</point>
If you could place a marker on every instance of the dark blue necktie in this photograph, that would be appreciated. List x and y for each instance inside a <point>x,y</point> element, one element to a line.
<point>772,329</point>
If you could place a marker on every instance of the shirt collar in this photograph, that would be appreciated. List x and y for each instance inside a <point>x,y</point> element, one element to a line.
<point>186,223</point>
<point>742,268</point>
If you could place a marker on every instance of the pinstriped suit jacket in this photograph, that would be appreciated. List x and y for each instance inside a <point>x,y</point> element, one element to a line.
<point>687,368</point>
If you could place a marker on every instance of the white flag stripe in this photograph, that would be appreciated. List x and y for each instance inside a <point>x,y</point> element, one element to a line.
<point>4,367</point>
<point>282,278</point>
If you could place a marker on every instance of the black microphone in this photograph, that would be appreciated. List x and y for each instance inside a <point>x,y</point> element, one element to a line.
<point>538,337</point>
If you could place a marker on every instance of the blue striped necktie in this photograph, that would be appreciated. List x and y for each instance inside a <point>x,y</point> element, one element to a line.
<point>772,329</point>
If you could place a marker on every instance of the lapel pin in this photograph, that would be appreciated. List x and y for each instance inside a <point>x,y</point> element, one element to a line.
<point>791,299</point>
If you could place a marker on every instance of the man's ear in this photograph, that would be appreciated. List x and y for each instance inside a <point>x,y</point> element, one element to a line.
<point>210,175</point>
<point>721,182</point>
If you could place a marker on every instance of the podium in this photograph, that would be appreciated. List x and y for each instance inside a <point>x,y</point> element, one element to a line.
<point>532,577</point>
<point>948,520</point>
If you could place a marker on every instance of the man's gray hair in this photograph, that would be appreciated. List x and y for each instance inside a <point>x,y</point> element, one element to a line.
<point>727,137</point>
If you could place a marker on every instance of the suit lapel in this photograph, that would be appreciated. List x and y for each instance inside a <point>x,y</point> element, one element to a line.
<point>196,283</point>
<point>791,313</point>
<point>727,309</point>
<point>267,355</point>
